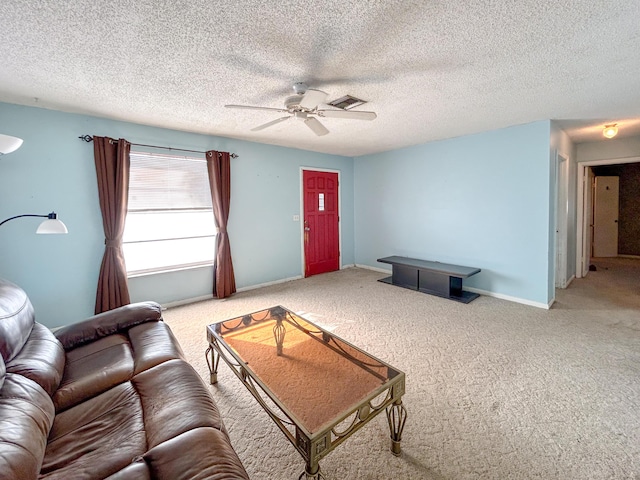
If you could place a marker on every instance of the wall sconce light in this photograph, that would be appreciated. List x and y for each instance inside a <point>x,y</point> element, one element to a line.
<point>610,131</point>
<point>9,144</point>
<point>50,225</point>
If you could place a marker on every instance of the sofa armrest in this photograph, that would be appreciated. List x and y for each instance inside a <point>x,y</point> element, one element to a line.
<point>108,323</point>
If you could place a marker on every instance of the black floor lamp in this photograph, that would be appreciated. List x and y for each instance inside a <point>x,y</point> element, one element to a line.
<point>50,225</point>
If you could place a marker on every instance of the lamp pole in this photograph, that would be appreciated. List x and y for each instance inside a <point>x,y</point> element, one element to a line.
<point>51,216</point>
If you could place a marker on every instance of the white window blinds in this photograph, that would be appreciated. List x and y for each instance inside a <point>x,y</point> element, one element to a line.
<point>164,182</point>
<point>170,222</point>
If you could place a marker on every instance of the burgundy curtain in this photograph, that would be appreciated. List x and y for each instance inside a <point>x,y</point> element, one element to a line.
<point>112,169</point>
<point>219,168</point>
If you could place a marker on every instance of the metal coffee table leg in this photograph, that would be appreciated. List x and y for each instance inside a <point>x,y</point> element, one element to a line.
<point>212,364</point>
<point>397,416</point>
<point>312,472</point>
<point>279,332</point>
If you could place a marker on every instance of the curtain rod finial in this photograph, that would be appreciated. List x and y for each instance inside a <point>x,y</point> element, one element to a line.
<point>86,138</point>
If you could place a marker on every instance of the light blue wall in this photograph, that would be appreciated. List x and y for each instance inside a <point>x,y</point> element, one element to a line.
<point>54,170</point>
<point>481,200</point>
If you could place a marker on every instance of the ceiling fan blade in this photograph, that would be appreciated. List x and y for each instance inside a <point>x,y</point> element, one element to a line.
<point>316,126</point>
<point>356,115</point>
<point>312,98</point>
<point>249,107</point>
<point>269,124</point>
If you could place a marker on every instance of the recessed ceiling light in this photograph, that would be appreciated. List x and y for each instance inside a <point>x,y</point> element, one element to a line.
<point>610,131</point>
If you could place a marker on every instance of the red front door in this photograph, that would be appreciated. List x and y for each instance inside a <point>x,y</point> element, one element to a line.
<point>321,242</point>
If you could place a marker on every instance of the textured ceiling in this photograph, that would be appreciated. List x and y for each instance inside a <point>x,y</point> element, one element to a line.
<point>431,69</point>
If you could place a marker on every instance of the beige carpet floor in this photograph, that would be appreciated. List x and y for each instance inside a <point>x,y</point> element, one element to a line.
<point>495,389</point>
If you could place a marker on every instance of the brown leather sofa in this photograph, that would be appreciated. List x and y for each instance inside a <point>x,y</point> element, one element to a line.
<point>111,397</point>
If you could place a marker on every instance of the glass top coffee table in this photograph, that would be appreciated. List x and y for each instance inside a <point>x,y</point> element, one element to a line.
<point>318,388</point>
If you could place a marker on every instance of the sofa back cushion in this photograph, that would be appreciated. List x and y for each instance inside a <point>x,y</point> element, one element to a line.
<point>41,359</point>
<point>16,319</point>
<point>94,368</point>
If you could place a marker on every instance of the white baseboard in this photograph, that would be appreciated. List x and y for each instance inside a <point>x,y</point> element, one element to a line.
<point>375,269</point>
<point>501,296</point>
<point>267,284</point>
<point>186,301</point>
<point>567,282</point>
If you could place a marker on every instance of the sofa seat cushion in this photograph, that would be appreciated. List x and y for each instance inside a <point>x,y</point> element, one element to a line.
<point>199,454</point>
<point>117,432</point>
<point>136,470</point>
<point>175,400</point>
<point>96,438</point>
<point>26,416</point>
<point>41,359</point>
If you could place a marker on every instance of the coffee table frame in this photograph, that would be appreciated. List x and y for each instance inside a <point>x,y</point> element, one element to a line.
<point>313,446</point>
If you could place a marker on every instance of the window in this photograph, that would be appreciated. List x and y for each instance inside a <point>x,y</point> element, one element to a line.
<point>169,222</point>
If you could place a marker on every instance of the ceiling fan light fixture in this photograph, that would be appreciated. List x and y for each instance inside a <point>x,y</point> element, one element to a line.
<point>309,103</point>
<point>300,88</point>
<point>610,131</point>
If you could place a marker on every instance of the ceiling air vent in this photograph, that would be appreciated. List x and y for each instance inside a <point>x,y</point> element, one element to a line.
<point>347,102</point>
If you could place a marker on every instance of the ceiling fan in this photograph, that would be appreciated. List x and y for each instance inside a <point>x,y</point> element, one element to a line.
<point>304,106</point>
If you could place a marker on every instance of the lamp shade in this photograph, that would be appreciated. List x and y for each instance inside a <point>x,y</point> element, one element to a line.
<point>52,225</point>
<point>9,144</point>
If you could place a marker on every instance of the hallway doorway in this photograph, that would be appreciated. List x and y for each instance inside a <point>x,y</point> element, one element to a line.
<point>584,210</point>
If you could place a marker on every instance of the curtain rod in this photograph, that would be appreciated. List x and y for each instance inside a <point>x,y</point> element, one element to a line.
<point>89,138</point>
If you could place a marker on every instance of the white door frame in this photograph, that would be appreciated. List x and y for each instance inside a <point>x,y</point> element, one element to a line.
<point>562,218</point>
<point>329,170</point>
<point>582,250</point>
